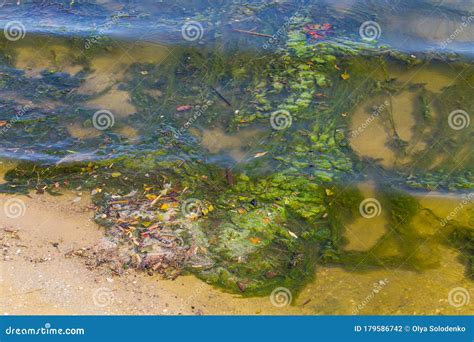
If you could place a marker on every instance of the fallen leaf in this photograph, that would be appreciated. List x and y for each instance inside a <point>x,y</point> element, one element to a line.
<point>260,154</point>
<point>184,108</point>
<point>96,191</point>
<point>293,235</point>
<point>326,26</point>
<point>255,240</point>
<point>3,123</point>
<point>150,197</point>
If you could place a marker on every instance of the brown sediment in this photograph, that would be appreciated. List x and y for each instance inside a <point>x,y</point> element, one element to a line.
<point>54,57</point>
<point>216,140</point>
<point>434,78</point>
<point>374,134</point>
<point>116,101</point>
<point>77,130</point>
<point>373,139</point>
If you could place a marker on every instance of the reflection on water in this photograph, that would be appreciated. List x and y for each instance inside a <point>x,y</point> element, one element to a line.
<point>408,25</point>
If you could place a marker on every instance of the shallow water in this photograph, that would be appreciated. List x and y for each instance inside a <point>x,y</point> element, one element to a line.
<point>375,121</point>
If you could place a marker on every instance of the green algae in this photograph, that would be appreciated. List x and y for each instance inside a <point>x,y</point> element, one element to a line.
<point>463,238</point>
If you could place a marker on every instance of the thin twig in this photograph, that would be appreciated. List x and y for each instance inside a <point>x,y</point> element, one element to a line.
<point>221,96</point>
<point>254,33</point>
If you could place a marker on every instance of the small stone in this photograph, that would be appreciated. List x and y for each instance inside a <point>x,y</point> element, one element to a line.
<point>241,285</point>
<point>270,274</point>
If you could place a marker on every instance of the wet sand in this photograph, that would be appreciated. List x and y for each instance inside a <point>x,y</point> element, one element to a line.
<point>37,277</point>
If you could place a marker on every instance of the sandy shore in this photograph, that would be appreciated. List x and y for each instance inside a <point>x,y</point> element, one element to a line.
<point>38,278</point>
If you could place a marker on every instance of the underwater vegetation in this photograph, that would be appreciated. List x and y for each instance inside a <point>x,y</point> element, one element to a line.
<point>265,220</point>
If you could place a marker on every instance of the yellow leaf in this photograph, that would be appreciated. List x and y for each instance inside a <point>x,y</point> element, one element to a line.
<point>329,192</point>
<point>150,197</point>
<point>164,206</point>
<point>345,76</point>
<point>255,240</point>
